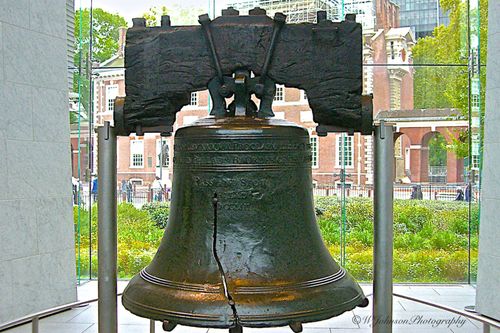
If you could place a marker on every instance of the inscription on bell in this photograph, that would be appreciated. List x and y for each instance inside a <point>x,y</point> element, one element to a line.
<point>241,146</point>
<point>242,158</point>
<point>213,182</point>
<point>235,193</point>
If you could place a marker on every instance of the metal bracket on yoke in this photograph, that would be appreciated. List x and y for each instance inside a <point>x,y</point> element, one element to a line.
<point>241,85</point>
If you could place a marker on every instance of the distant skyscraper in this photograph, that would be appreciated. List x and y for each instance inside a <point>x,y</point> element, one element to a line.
<point>364,10</point>
<point>422,16</point>
<point>297,11</point>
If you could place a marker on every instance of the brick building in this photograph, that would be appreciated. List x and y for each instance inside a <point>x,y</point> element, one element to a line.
<point>388,75</point>
<point>414,130</point>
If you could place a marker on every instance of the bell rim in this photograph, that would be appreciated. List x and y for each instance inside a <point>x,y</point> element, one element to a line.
<point>225,319</point>
<point>250,321</point>
<point>244,290</point>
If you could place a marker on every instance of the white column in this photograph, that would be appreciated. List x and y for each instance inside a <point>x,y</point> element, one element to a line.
<point>37,254</point>
<point>487,300</point>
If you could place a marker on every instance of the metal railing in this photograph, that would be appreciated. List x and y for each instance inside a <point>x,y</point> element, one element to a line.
<point>438,174</point>
<point>137,197</point>
<point>486,321</point>
<point>35,318</point>
<point>430,191</point>
<point>401,192</point>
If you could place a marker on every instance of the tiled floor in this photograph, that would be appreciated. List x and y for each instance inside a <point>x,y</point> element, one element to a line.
<point>409,316</point>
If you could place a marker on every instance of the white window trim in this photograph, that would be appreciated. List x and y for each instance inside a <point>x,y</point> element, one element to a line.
<point>137,180</point>
<point>196,97</point>
<point>108,87</point>
<point>313,165</point>
<point>132,166</point>
<point>338,165</point>
<point>303,96</point>
<point>281,101</point>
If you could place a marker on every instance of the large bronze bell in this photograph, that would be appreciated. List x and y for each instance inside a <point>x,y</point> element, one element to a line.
<point>242,247</point>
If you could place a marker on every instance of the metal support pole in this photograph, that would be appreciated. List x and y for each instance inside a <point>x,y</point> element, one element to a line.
<point>486,328</point>
<point>107,229</point>
<point>35,325</point>
<point>151,326</point>
<point>383,228</point>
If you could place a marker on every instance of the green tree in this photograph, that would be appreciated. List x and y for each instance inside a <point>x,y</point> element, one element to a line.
<point>178,15</point>
<point>105,31</point>
<point>105,35</point>
<point>153,15</point>
<point>446,86</point>
<point>437,151</point>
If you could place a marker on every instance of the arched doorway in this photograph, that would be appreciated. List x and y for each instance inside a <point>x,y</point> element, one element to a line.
<point>434,158</point>
<point>402,146</point>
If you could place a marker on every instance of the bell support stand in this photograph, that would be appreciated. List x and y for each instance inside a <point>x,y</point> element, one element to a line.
<point>107,230</point>
<point>383,228</point>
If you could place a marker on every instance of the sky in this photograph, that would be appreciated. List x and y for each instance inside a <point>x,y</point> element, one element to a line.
<point>135,8</point>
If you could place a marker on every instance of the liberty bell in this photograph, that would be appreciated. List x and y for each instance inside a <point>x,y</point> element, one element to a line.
<point>242,247</point>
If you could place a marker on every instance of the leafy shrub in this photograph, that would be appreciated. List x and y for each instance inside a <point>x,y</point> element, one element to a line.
<point>360,265</point>
<point>416,266</point>
<point>360,237</point>
<point>325,203</point>
<point>360,214</point>
<point>158,211</point>
<point>138,239</point>
<point>446,240</point>
<point>330,231</point>
<point>411,215</point>
<point>411,241</point>
<point>131,259</point>
<point>430,237</point>
<point>135,225</point>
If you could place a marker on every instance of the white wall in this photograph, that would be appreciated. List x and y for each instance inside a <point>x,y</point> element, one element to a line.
<point>488,281</point>
<point>37,258</point>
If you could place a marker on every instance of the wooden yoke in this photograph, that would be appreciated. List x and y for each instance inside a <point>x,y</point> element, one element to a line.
<point>164,65</point>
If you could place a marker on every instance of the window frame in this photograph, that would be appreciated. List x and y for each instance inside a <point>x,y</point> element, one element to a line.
<point>303,96</point>
<point>112,100</point>
<point>194,99</point>
<point>282,98</point>
<point>314,155</point>
<point>132,153</point>
<point>137,181</point>
<point>338,151</point>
